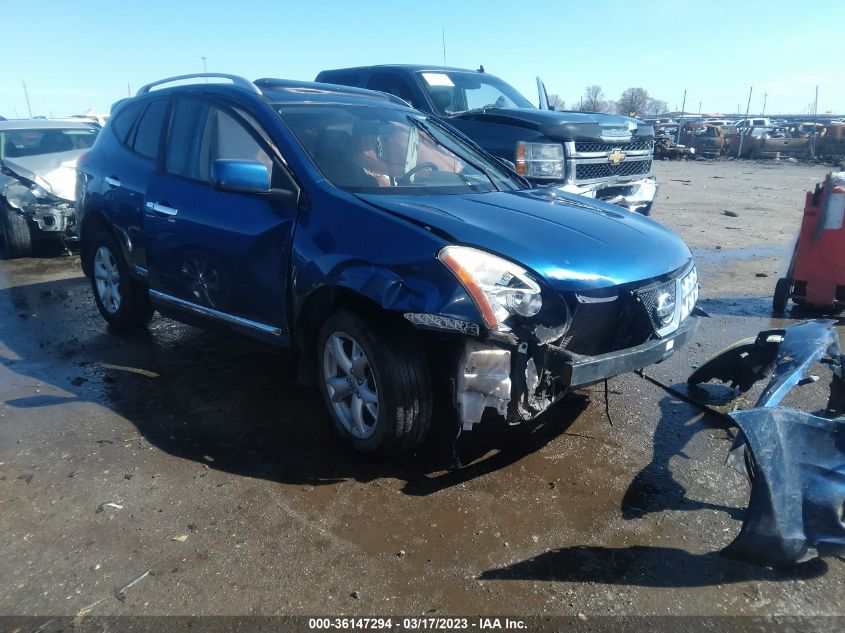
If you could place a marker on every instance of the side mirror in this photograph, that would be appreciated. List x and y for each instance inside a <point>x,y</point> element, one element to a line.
<point>244,176</point>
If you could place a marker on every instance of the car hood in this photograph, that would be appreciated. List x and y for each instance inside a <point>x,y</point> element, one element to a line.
<point>55,173</point>
<point>575,126</point>
<point>572,242</point>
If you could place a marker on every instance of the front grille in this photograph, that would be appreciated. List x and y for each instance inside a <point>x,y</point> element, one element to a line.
<point>590,171</point>
<point>606,148</point>
<point>651,298</point>
<point>592,325</point>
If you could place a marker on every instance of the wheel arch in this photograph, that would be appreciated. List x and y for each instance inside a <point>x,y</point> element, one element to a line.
<point>92,223</point>
<point>321,303</point>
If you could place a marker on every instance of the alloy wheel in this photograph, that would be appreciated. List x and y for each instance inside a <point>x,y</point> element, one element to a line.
<point>350,385</point>
<point>107,278</point>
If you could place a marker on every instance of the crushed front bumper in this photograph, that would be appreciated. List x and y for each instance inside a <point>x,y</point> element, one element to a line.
<point>523,381</point>
<point>637,195</point>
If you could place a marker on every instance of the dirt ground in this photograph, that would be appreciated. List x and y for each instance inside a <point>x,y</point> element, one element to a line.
<point>190,462</point>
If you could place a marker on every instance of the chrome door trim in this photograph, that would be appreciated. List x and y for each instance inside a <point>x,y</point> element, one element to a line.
<point>215,314</point>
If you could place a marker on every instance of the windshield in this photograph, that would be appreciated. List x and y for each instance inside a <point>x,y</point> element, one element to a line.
<point>371,149</point>
<point>454,91</point>
<point>20,143</point>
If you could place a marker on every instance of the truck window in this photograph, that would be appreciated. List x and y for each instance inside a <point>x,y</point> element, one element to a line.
<point>393,84</point>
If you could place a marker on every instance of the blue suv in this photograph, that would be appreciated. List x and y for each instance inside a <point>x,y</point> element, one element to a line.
<point>395,257</point>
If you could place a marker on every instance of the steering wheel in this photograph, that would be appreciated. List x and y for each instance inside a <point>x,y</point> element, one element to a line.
<point>405,179</point>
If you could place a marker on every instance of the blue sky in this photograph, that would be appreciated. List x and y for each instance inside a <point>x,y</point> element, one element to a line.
<point>75,55</point>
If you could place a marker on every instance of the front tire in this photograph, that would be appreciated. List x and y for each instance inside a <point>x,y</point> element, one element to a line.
<point>122,301</point>
<point>17,239</point>
<point>783,291</point>
<point>375,383</point>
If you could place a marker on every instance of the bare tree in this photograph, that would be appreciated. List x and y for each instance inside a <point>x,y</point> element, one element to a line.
<point>636,102</point>
<point>633,102</point>
<point>556,102</point>
<point>593,100</point>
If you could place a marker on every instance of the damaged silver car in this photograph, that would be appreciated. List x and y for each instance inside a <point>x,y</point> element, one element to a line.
<point>38,179</point>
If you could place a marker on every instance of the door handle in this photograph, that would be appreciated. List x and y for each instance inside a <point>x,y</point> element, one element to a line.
<point>160,210</point>
<point>114,183</point>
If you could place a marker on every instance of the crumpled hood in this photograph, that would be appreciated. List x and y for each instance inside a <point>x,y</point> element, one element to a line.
<point>572,242</point>
<point>55,173</point>
<point>575,126</point>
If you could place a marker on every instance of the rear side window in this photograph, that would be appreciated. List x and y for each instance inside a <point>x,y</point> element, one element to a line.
<point>122,122</point>
<point>148,131</point>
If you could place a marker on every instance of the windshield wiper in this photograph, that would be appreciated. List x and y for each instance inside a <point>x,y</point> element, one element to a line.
<point>417,123</point>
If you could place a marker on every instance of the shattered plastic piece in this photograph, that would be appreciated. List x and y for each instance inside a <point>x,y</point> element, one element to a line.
<point>798,486</point>
<point>794,460</point>
<point>181,538</point>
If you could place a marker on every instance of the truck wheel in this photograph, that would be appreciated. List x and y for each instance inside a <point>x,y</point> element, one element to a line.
<point>17,240</point>
<point>783,291</point>
<point>121,300</point>
<point>375,384</point>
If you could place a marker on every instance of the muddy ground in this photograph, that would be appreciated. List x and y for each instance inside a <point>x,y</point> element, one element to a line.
<point>193,457</point>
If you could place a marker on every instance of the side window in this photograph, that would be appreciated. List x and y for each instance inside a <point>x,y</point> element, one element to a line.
<point>393,84</point>
<point>226,138</point>
<point>186,134</point>
<point>123,121</point>
<point>343,79</point>
<point>202,133</point>
<point>148,131</point>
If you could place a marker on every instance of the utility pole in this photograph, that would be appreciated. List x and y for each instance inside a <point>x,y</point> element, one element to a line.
<point>26,94</point>
<point>745,128</point>
<point>681,120</point>
<point>815,127</point>
<point>444,45</point>
<point>765,96</point>
<point>204,69</point>
<point>699,108</point>
<point>128,90</point>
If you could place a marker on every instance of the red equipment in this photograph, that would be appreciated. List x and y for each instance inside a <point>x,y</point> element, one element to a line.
<point>816,275</point>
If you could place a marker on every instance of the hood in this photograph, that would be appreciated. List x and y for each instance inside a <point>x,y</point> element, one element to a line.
<point>569,126</point>
<point>55,173</point>
<point>572,242</point>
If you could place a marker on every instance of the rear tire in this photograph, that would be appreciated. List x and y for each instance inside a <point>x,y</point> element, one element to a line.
<point>375,383</point>
<point>121,300</point>
<point>783,291</point>
<point>17,240</point>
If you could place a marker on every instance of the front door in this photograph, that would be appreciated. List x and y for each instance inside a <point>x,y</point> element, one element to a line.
<point>220,254</point>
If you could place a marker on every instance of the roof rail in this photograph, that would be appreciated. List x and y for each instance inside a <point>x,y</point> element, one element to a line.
<point>235,79</point>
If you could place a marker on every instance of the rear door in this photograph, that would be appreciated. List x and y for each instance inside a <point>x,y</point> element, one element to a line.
<point>220,254</point>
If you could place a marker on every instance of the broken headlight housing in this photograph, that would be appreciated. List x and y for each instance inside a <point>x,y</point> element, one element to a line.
<point>689,293</point>
<point>539,160</point>
<point>499,288</point>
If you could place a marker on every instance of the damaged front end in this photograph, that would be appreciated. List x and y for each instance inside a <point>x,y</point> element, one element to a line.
<point>41,189</point>
<point>537,349</point>
<point>46,212</point>
<point>794,460</point>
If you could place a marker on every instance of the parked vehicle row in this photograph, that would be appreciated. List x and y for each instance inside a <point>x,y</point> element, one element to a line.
<point>400,262</point>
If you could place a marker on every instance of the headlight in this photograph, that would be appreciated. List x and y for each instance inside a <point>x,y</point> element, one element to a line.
<point>498,287</point>
<point>689,293</point>
<point>539,160</point>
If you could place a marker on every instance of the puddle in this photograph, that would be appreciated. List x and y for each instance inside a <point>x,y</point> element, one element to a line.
<point>713,257</point>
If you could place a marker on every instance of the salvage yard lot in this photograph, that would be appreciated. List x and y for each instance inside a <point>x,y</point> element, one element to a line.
<point>196,459</point>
